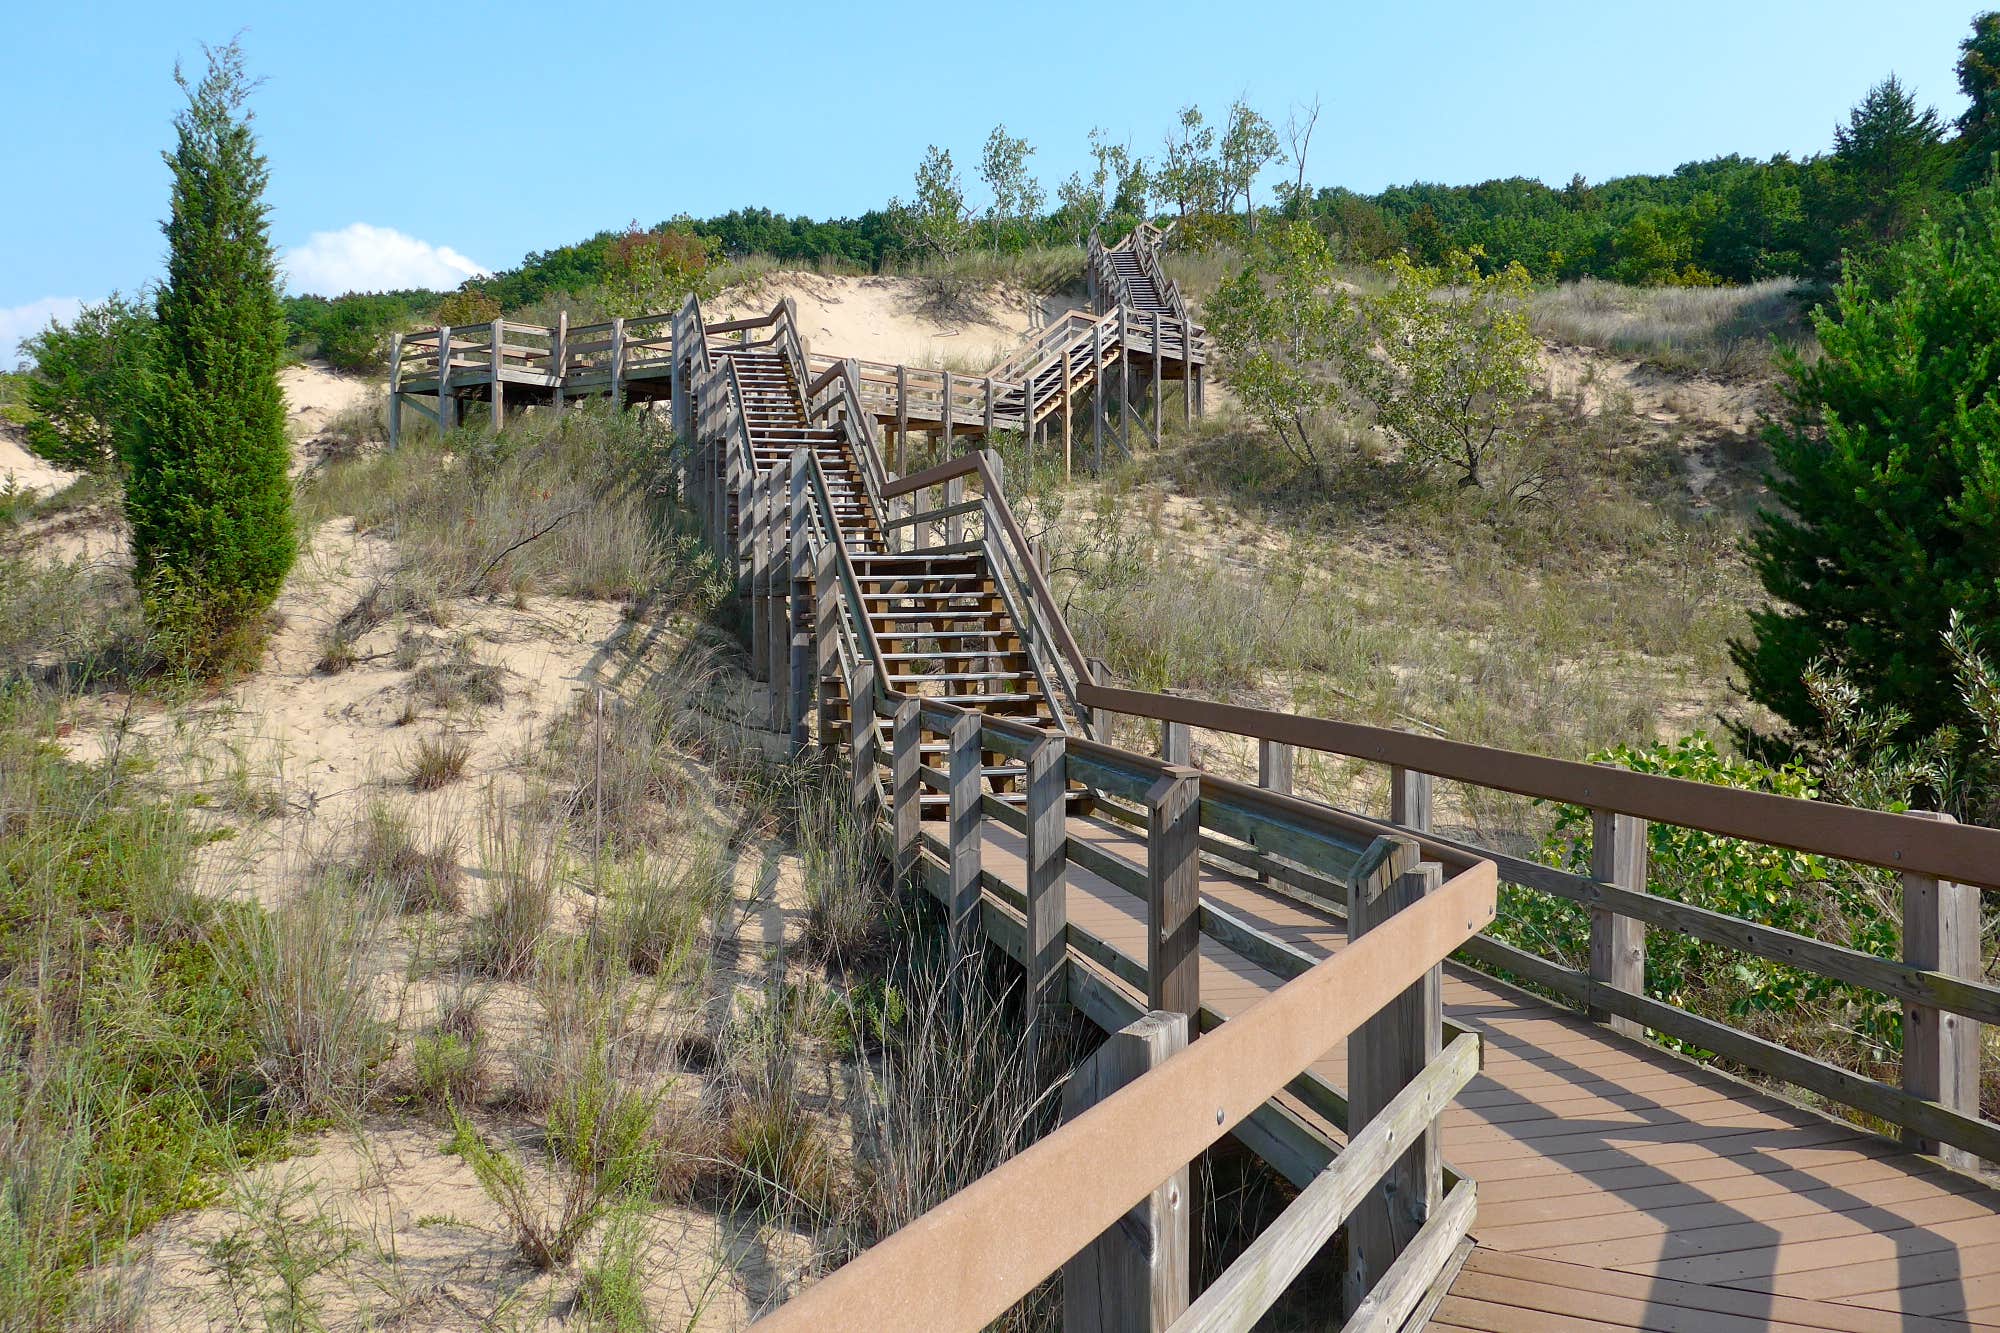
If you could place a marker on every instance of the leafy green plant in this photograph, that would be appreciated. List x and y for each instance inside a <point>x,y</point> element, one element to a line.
<point>1460,354</point>
<point>1293,342</point>
<point>1796,891</point>
<point>82,380</point>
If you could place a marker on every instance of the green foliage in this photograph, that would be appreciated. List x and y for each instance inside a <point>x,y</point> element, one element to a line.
<point>209,495</point>
<point>1887,483</point>
<point>1190,175</point>
<point>467,306</point>
<point>1886,172</point>
<point>1249,144</point>
<point>1979,80</point>
<point>82,378</point>
<point>351,333</point>
<point>1291,338</point>
<point>1017,196</point>
<point>646,272</point>
<point>935,223</point>
<point>1793,891</point>
<point>127,1082</point>
<point>1460,352</point>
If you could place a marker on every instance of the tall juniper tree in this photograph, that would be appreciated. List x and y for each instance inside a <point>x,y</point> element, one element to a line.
<point>1888,483</point>
<point>209,498</point>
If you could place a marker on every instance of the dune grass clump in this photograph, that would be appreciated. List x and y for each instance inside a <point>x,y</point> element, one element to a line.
<point>439,761</point>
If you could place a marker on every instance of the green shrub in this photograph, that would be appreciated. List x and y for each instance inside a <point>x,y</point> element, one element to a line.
<point>1796,891</point>
<point>1886,482</point>
<point>209,496</point>
<point>82,381</point>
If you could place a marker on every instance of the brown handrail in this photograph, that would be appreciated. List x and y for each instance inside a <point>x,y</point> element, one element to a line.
<point>988,1245</point>
<point>1965,853</point>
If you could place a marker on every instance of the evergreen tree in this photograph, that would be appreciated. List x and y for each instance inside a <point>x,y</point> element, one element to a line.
<point>209,499</point>
<point>1887,170</point>
<point>1979,80</point>
<point>1888,482</point>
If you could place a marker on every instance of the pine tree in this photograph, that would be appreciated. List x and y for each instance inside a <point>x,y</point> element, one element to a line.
<point>1979,80</point>
<point>209,498</point>
<point>1887,474</point>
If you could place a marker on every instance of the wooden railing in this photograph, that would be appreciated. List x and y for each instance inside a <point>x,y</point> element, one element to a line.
<point>967,1261</point>
<point>1942,866</point>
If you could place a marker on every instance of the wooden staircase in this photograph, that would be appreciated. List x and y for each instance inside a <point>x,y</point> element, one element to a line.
<point>937,614</point>
<point>1142,294</point>
<point>774,409</point>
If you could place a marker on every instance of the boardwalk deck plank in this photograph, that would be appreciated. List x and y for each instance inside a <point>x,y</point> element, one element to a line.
<point>1622,1186</point>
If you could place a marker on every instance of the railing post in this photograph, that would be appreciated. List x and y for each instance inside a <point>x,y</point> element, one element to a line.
<point>1047,783</point>
<point>798,612</point>
<point>498,396</point>
<point>1068,430</point>
<point>1941,1049</point>
<point>395,390</point>
<point>861,739</point>
<point>1187,373</point>
<point>757,507</point>
<point>1411,798</point>
<point>954,526</point>
<point>1173,890</point>
<point>989,411</point>
<point>1124,378</point>
<point>1618,943</point>
<point>826,638</point>
<point>947,414</point>
<point>907,789</point>
<point>1159,399</point>
<point>559,364</point>
<point>1384,1054</point>
<point>1135,1278</point>
<point>967,824</point>
<point>1176,743</point>
<point>1275,761</point>
<point>1097,393</point>
<point>902,415</point>
<point>618,364</point>
<point>447,405</point>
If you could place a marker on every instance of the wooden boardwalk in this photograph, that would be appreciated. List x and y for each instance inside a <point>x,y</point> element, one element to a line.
<point>1621,1186</point>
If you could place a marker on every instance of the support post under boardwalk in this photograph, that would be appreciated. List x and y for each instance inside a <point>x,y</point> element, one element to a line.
<point>1048,860</point>
<point>1383,1055</point>
<point>967,826</point>
<point>499,386</point>
<point>1135,1277</point>
<point>826,639</point>
<point>395,390</point>
<point>1618,943</point>
<point>1941,1049</point>
<point>1173,891</point>
<point>906,786</point>
<point>861,740</point>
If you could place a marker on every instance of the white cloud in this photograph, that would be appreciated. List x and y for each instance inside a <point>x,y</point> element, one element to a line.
<point>24,321</point>
<point>364,258</point>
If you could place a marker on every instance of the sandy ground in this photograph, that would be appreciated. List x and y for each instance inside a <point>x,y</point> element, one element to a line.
<point>883,318</point>
<point>1710,423</point>
<point>23,471</point>
<point>292,756</point>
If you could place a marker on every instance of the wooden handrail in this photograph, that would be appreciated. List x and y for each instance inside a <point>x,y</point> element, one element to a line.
<point>965,1262</point>
<point>1963,853</point>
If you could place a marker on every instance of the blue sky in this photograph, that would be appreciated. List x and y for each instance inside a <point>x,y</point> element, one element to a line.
<point>402,153</point>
